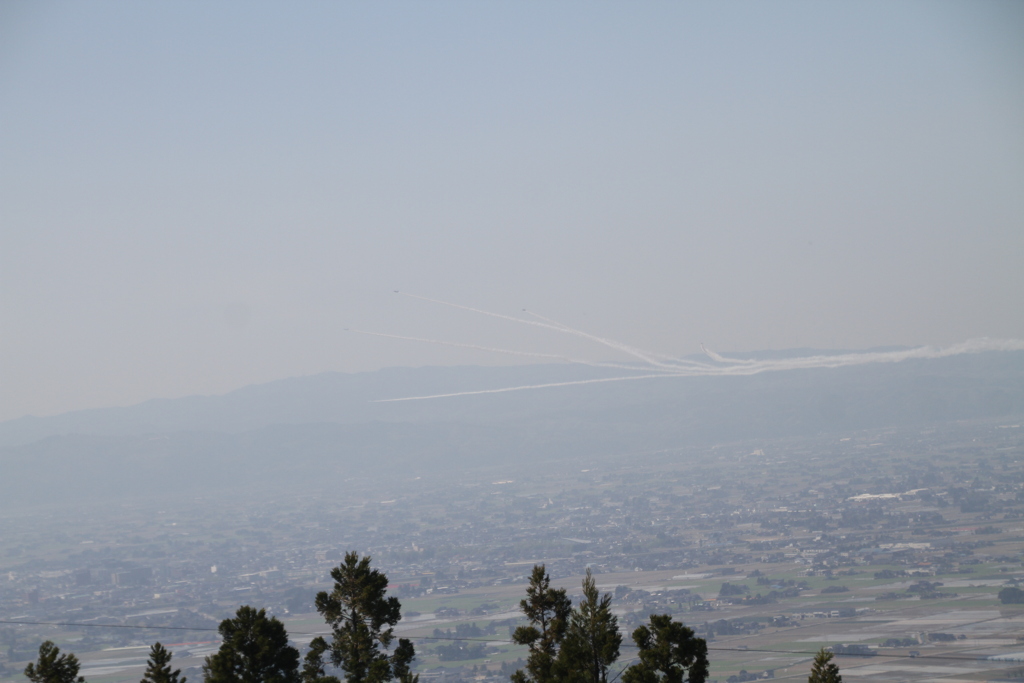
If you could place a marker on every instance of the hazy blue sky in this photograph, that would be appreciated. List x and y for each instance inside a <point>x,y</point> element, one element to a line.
<point>199,196</point>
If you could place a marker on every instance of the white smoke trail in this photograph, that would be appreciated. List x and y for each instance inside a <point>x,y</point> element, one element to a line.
<point>722,359</point>
<point>842,360</point>
<point>647,356</point>
<point>477,310</point>
<point>756,367</point>
<point>529,354</point>
<point>558,327</point>
<point>522,388</point>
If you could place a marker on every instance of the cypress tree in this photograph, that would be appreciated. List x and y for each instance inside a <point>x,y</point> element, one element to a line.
<point>592,639</point>
<point>548,610</point>
<point>669,653</point>
<point>823,670</point>
<point>363,621</point>
<point>255,650</point>
<point>53,667</point>
<point>313,665</point>
<point>158,668</point>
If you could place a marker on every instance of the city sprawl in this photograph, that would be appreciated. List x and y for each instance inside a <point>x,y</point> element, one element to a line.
<point>899,549</point>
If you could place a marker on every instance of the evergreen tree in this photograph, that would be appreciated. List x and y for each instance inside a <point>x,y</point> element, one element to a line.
<point>592,639</point>
<point>53,667</point>
<point>823,670</point>
<point>548,610</point>
<point>255,649</point>
<point>313,665</point>
<point>363,621</point>
<point>158,668</point>
<point>669,653</point>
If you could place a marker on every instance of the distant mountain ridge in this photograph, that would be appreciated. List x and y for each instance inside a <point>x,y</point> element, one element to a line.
<point>331,397</point>
<point>295,431</point>
<point>347,398</point>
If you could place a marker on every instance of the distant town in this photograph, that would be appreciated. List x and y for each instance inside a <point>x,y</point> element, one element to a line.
<point>901,550</point>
